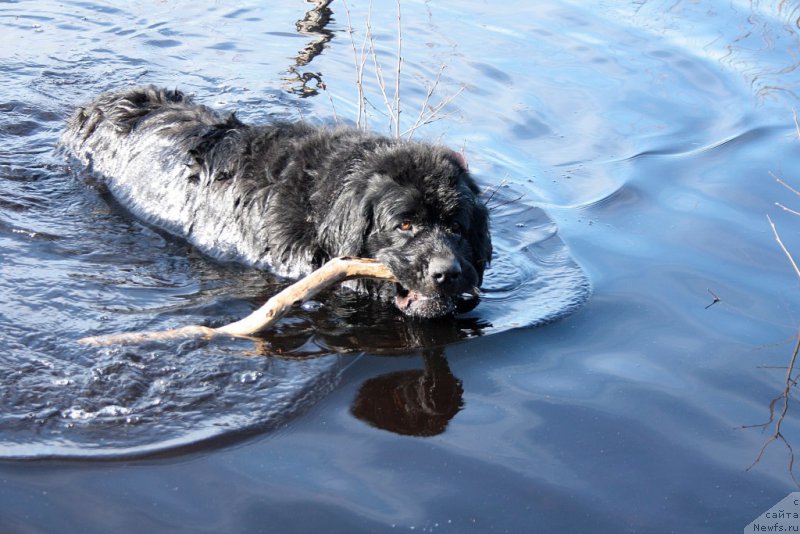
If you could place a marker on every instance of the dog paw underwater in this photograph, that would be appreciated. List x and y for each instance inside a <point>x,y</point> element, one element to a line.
<point>287,197</point>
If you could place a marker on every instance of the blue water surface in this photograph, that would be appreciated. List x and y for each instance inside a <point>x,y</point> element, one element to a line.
<point>639,313</point>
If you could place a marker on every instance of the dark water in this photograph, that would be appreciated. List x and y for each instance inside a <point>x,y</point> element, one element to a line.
<point>644,135</point>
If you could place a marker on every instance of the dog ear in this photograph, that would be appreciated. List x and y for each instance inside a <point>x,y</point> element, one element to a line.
<point>480,240</point>
<point>460,159</point>
<point>346,224</point>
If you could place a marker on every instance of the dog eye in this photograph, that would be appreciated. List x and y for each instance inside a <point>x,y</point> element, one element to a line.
<point>455,228</point>
<point>405,226</point>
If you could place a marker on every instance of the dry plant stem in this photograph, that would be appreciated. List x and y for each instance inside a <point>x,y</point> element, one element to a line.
<point>359,64</point>
<point>783,247</point>
<point>379,75</point>
<point>796,123</point>
<point>432,115</point>
<point>333,272</point>
<point>393,105</point>
<point>784,208</point>
<point>790,382</point>
<point>423,118</point>
<point>362,103</point>
<point>333,107</point>
<point>427,116</point>
<point>777,434</point>
<point>397,74</point>
<point>784,184</point>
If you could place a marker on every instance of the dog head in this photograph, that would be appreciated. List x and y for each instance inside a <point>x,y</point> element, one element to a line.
<point>415,208</point>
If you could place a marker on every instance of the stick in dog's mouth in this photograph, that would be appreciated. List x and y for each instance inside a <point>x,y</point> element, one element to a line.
<point>333,272</point>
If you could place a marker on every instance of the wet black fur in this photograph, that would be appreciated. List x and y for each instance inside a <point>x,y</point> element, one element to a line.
<point>289,196</point>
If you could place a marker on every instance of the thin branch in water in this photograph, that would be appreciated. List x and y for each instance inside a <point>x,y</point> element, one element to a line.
<point>765,424</point>
<point>428,116</point>
<point>380,78</point>
<point>777,434</point>
<point>784,184</point>
<point>430,120</point>
<point>783,247</point>
<point>494,190</point>
<point>793,212</point>
<point>776,437</point>
<point>362,103</point>
<point>445,102</point>
<point>796,123</point>
<point>790,382</point>
<point>330,99</point>
<point>507,202</point>
<point>428,95</point>
<point>393,103</point>
<point>356,63</point>
<point>397,74</point>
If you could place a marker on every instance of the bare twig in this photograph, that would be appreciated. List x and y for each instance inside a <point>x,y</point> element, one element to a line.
<point>358,62</point>
<point>397,74</point>
<point>380,78</point>
<point>793,212</point>
<point>777,434</point>
<point>427,114</point>
<point>392,102</point>
<point>432,115</point>
<point>494,190</point>
<point>324,87</point>
<point>783,247</point>
<point>362,103</point>
<point>796,124</point>
<point>784,184</point>
<point>428,96</point>
<point>333,272</point>
<point>789,383</point>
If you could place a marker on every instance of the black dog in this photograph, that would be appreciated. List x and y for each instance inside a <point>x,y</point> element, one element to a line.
<point>290,196</point>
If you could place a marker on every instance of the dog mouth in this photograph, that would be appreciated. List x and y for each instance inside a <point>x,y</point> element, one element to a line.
<point>417,304</point>
<point>404,298</point>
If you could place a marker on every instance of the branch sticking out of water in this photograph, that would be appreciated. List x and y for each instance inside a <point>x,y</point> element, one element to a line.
<point>784,184</point>
<point>783,247</point>
<point>777,434</point>
<point>785,396</point>
<point>359,61</point>
<point>428,112</point>
<point>397,74</point>
<point>333,272</point>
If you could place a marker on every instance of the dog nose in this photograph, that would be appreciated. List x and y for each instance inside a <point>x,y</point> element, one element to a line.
<point>444,270</point>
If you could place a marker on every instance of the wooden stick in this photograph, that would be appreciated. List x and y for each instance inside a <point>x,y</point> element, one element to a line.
<point>335,271</point>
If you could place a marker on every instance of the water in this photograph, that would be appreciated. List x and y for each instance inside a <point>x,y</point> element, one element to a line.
<point>644,135</point>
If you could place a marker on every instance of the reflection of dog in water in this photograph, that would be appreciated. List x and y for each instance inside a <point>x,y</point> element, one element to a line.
<point>290,196</point>
<point>412,403</point>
